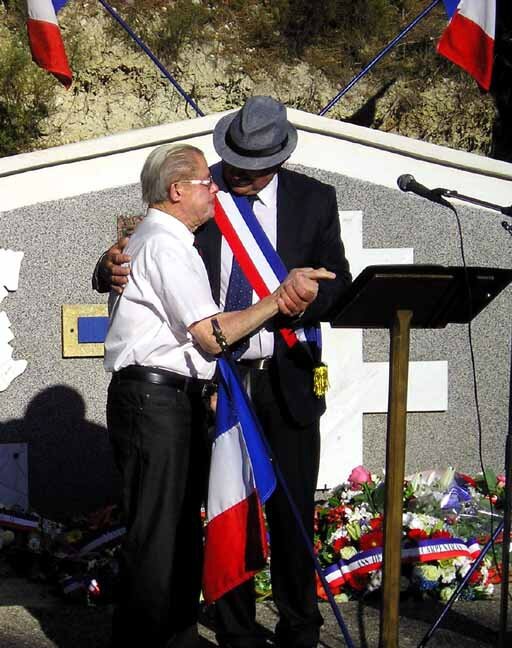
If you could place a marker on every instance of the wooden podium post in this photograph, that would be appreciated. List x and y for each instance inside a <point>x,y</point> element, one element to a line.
<point>399,298</point>
<point>395,473</point>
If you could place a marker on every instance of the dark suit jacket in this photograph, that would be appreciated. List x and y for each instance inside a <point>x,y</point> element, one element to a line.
<point>308,234</point>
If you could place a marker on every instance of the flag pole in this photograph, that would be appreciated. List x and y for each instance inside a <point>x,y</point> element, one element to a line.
<point>149,53</point>
<point>380,55</point>
<point>226,354</point>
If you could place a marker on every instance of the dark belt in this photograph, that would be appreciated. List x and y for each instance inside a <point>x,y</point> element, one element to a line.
<point>261,364</point>
<point>157,376</point>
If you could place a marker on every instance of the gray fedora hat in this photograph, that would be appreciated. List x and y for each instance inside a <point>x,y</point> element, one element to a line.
<point>258,136</point>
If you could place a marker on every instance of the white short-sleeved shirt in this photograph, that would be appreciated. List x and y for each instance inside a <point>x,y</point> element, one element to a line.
<point>167,292</point>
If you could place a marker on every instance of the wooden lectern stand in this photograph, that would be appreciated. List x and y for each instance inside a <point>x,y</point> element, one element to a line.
<point>400,298</point>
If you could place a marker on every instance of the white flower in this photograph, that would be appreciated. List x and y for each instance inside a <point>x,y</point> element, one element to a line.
<point>359,514</point>
<point>413,521</point>
<point>446,479</point>
<point>462,564</point>
<point>448,574</point>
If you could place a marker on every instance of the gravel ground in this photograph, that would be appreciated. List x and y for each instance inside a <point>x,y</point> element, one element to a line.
<point>32,617</point>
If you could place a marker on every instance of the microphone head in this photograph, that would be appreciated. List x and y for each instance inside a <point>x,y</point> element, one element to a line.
<point>404,181</point>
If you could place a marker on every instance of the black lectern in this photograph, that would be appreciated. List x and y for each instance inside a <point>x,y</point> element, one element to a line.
<point>400,298</point>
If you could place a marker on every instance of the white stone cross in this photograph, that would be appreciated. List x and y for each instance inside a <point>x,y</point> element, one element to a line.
<point>359,387</point>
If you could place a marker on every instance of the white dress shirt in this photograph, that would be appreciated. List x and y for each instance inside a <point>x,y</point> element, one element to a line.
<point>167,292</point>
<point>261,344</point>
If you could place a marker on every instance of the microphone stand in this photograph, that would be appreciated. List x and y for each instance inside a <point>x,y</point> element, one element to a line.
<point>506,525</point>
<point>451,193</point>
<point>505,564</point>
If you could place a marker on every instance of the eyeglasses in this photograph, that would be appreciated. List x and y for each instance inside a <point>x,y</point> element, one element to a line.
<point>206,183</point>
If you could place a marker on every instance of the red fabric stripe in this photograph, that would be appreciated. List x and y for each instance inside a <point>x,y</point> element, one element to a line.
<point>48,49</point>
<point>245,261</point>
<point>467,45</point>
<point>235,548</point>
<point>440,555</point>
<point>336,582</point>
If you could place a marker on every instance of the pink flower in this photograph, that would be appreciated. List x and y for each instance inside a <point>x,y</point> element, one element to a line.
<point>500,481</point>
<point>358,476</point>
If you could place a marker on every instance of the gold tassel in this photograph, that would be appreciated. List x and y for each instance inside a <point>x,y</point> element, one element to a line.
<point>320,380</point>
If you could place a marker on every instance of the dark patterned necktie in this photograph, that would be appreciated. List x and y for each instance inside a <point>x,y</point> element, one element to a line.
<point>239,296</point>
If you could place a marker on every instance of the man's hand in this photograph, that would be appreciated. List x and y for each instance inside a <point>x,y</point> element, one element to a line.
<point>299,289</point>
<point>112,271</point>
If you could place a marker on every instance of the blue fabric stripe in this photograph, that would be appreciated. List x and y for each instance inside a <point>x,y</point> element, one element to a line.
<point>233,406</point>
<point>451,6</point>
<point>261,238</point>
<point>312,334</point>
<point>58,4</point>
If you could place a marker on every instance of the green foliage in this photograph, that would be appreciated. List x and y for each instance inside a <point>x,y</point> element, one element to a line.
<point>25,93</point>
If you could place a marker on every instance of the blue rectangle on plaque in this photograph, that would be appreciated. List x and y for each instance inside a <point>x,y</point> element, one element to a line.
<point>92,330</point>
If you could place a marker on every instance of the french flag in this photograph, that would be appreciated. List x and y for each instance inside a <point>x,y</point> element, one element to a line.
<point>45,38</point>
<point>468,41</point>
<point>241,480</point>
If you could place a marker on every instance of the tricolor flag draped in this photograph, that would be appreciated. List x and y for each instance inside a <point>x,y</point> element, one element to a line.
<point>468,41</point>
<point>241,480</point>
<point>45,38</point>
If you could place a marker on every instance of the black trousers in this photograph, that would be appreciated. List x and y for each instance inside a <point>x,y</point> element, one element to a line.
<point>297,451</point>
<point>159,438</point>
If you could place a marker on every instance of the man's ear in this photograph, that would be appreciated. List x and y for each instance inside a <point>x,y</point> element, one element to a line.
<point>174,192</point>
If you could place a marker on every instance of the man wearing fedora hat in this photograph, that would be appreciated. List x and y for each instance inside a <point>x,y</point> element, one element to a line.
<point>299,218</point>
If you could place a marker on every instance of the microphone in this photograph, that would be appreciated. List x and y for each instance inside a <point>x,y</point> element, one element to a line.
<point>407,182</point>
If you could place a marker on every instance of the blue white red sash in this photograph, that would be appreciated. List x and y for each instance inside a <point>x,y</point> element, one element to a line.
<point>347,571</point>
<point>258,259</point>
<point>20,522</point>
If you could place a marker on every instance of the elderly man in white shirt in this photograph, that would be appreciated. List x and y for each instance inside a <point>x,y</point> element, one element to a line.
<point>160,349</point>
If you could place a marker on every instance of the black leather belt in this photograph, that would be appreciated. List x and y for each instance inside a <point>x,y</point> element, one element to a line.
<point>261,364</point>
<point>157,376</point>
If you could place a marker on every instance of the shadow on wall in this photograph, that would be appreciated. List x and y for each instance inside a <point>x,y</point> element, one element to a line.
<point>70,463</point>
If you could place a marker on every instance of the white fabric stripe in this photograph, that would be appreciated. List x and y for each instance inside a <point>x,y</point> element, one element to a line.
<point>248,241</point>
<point>107,537</point>
<point>13,519</point>
<point>301,335</point>
<point>42,10</point>
<point>481,12</point>
<point>334,575</point>
<point>413,552</point>
<point>231,479</point>
<point>253,249</point>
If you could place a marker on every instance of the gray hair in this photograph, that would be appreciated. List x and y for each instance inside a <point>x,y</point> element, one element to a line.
<point>167,164</point>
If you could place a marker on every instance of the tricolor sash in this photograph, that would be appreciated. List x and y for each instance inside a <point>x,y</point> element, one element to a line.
<point>364,562</point>
<point>260,262</point>
<point>18,521</point>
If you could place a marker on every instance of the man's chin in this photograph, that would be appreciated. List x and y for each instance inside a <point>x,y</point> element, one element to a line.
<point>242,190</point>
